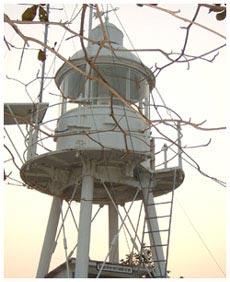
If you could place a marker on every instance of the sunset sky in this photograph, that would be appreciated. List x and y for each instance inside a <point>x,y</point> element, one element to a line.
<point>198,237</point>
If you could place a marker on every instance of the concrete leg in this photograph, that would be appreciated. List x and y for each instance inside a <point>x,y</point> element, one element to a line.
<point>82,260</point>
<point>48,244</point>
<point>113,230</point>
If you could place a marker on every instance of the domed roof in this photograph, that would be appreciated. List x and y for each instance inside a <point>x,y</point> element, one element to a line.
<point>118,54</point>
<point>114,34</point>
<point>115,37</point>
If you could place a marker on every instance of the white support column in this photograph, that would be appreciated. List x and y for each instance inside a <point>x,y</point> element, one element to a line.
<point>82,259</point>
<point>88,67</point>
<point>113,231</point>
<point>154,237</point>
<point>32,143</point>
<point>146,103</point>
<point>48,244</point>
<point>152,152</point>
<point>179,145</point>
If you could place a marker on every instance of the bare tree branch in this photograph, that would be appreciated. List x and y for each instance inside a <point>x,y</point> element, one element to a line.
<point>195,125</point>
<point>68,62</point>
<point>159,69</point>
<point>175,14</point>
<point>182,57</point>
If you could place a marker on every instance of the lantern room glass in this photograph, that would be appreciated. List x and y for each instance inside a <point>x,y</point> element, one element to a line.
<point>128,82</point>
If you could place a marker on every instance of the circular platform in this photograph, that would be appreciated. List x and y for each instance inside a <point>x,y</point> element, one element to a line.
<point>94,127</point>
<point>60,174</point>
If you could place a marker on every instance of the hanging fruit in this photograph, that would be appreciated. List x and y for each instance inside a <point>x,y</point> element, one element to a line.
<point>43,15</point>
<point>30,13</point>
<point>41,56</point>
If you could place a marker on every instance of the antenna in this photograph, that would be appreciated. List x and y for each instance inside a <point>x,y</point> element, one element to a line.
<point>106,13</point>
<point>44,62</point>
<point>33,131</point>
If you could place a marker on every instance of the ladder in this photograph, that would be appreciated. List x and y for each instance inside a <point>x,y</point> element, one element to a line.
<point>157,226</point>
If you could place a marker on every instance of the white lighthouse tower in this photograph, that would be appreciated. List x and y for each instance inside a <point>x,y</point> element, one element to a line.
<point>104,152</point>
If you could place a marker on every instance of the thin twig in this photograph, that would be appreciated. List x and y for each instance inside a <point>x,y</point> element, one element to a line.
<point>175,14</point>
<point>159,69</point>
<point>196,125</point>
<point>78,69</point>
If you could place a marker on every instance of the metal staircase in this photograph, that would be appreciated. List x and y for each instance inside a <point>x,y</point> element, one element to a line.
<point>157,227</point>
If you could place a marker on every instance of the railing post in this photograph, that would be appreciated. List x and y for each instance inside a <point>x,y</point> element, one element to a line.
<point>165,149</point>
<point>152,152</point>
<point>179,145</point>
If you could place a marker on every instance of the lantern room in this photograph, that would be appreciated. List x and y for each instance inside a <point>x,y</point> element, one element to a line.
<point>113,64</point>
<point>105,90</point>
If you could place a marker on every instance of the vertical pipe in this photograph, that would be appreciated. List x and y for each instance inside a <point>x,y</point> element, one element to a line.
<point>37,106</point>
<point>44,62</point>
<point>146,101</point>
<point>48,244</point>
<point>63,105</point>
<point>179,145</point>
<point>88,67</point>
<point>164,149</point>
<point>113,231</point>
<point>152,152</point>
<point>30,153</point>
<point>82,260</point>
<point>128,82</point>
<point>33,133</point>
<point>90,22</point>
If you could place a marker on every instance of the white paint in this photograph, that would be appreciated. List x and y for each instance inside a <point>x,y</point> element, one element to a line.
<point>113,233</point>
<point>82,260</point>
<point>48,243</point>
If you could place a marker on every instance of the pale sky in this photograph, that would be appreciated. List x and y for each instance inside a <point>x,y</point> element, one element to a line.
<point>197,248</point>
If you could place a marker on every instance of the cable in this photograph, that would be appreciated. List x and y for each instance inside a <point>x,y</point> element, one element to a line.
<point>121,226</point>
<point>65,244</point>
<point>52,65</point>
<point>196,166</point>
<point>124,30</point>
<point>12,156</point>
<point>13,146</point>
<point>200,237</point>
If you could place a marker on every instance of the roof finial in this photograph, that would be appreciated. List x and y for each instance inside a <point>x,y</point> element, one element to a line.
<point>107,15</point>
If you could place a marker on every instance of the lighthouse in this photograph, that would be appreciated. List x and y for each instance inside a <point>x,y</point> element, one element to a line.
<point>104,152</point>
